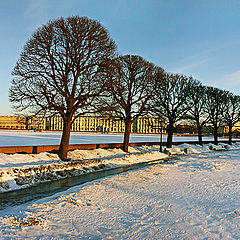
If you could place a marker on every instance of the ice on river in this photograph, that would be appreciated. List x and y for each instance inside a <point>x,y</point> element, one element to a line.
<point>193,197</point>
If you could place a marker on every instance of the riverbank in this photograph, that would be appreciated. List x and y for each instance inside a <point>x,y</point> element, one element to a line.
<point>20,171</point>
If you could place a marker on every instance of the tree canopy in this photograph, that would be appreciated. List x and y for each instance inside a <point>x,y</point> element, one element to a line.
<point>171,94</point>
<point>62,69</point>
<point>129,91</point>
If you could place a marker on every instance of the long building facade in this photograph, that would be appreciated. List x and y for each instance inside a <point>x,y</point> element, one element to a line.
<point>83,124</point>
<point>22,123</point>
<point>106,125</point>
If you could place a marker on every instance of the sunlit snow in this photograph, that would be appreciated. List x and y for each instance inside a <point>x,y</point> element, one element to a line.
<point>195,196</point>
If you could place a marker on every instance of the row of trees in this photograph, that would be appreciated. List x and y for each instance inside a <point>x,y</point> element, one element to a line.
<point>180,98</point>
<point>71,67</point>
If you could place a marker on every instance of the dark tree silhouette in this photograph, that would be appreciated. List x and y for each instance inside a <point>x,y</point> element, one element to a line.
<point>129,91</point>
<point>215,107</point>
<point>232,113</point>
<point>171,94</point>
<point>62,69</point>
<point>197,103</point>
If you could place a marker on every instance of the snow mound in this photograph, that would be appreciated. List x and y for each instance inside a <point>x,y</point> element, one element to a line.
<point>23,170</point>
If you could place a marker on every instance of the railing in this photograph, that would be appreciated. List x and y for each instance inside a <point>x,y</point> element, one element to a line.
<point>54,148</point>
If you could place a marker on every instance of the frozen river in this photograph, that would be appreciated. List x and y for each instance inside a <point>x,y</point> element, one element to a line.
<point>29,138</point>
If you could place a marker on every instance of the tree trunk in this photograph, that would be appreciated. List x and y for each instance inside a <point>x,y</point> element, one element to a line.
<point>215,134</point>
<point>199,129</point>
<point>63,149</point>
<point>27,123</point>
<point>126,135</point>
<point>230,134</point>
<point>170,135</point>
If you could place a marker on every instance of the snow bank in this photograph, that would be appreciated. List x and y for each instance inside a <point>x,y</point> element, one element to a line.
<point>23,170</point>
<point>208,147</point>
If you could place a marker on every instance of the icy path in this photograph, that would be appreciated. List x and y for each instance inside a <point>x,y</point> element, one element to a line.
<point>196,197</point>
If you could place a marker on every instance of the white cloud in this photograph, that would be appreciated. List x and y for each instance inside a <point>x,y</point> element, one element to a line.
<point>198,58</point>
<point>230,82</point>
<point>232,79</point>
<point>190,66</point>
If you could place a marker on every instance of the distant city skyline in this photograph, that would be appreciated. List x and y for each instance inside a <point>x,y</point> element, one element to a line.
<point>198,38</point>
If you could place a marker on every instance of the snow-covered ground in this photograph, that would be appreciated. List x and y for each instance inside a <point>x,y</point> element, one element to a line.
<point>193,197</point>
<point>19,171</point>
<point>30,138</point>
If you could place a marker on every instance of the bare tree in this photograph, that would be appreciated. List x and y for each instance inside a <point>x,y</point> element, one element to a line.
<point>129,91</point>
<point>215,107</point>
<point>197,102</point>
<point>170,101</point>
<point>232,113</point>
<point>62,69</point>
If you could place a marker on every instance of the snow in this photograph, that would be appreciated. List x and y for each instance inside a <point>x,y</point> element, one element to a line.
<point>194,196</point>
<point>19,171</point>
<point>30,138</point>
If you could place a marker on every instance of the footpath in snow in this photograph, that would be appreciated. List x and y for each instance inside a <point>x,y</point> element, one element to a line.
<point>193,197</point>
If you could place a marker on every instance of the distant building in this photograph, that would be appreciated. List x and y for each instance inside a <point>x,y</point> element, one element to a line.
<point>186,129</point>
<point>235,129</point>
<point>12,122</point>
<point>105,125</point>
<point>22,123</point>
<point>82,124</point>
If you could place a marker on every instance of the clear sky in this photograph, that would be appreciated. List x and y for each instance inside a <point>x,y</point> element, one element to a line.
<point>200,38</point>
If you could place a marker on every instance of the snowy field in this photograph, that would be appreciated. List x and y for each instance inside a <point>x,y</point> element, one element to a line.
<point>29,138</point>
<point>193,197</point>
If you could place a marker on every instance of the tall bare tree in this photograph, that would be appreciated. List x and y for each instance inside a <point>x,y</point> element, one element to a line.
<point>197,102</point>
<point>215,107</point>
<point>171,94</point>
<point>129,90</point>
<point>232,113</point>
<point>62,69</point>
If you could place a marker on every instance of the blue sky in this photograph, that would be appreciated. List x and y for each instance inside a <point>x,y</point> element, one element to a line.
<point>200,38</point>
